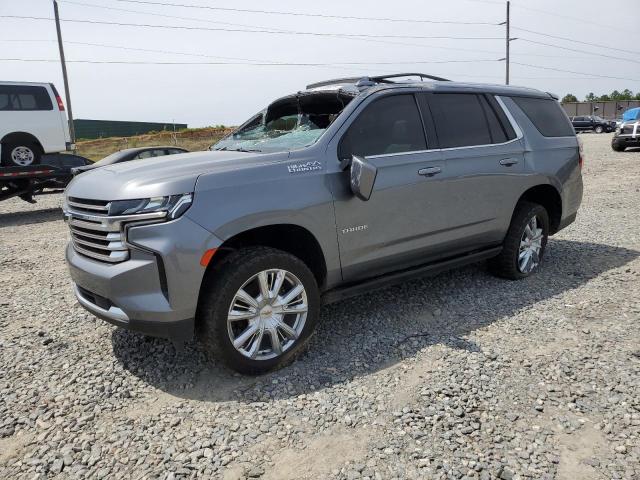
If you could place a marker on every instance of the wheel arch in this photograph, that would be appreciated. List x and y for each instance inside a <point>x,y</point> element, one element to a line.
<point>549,197</point>
<point>20,137</point>
<point>288,237</point>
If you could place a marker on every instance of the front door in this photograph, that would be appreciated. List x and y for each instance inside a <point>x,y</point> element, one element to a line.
<point>403,221</point>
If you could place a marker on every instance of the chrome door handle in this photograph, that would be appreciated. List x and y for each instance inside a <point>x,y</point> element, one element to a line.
<point>507,162</point>
<point>429,171</point>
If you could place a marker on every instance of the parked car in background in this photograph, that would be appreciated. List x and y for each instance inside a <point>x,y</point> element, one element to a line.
<point>592,123</point>
<point>130,154</point>
<point>33,122</point>
<point>627,135</point>
<point>347,186</point>
<point>631,115</point>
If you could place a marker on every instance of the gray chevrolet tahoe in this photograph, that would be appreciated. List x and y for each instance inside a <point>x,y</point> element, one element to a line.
<point>346,186</point>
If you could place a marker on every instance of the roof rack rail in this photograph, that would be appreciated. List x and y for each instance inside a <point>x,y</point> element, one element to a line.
<point>335,81</point>
<point>421,75</point>
<point>378,79</point>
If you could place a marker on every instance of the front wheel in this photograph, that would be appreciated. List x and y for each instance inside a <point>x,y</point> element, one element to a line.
<point>617,148</point>
<point>258,309</point>
<point>599,129</point>
<point>524,244</point>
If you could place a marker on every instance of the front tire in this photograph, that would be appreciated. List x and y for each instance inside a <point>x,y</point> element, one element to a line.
<point>599,129</point>
<point>617,148</point>
<point>258,309</point>
<point>524,244</point>
<point>20,154</point>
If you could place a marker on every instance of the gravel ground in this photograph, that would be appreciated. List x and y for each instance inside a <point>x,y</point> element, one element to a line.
<point>457,376</point>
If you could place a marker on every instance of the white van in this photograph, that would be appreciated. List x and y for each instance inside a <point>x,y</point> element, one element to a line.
<point>32,122</point>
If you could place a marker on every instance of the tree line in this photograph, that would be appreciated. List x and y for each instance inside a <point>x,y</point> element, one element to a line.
<point>616,95</point>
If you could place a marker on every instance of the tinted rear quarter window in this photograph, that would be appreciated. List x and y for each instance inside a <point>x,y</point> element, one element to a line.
<point>547,116</point>
<point>24,97</point>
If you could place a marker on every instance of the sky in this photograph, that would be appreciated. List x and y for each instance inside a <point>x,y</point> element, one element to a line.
<point>212,70</point>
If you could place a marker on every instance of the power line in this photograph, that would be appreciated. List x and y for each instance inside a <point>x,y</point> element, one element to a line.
<point>599,45</point>
<point>313,64</point>
<point>204,55</point>
<point>276,64</point>
<point>576,19</point>
<point>275,32</point>
<point>586,52</point>
<point>299,14</point>
<point>206,20</point>
<point>572,71</point>
<point>280,29</point>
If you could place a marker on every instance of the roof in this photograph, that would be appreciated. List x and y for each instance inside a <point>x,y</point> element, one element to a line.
<point>435,84</point>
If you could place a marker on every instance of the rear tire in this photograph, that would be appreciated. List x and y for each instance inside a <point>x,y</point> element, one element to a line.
<point>617,148</point>
<point>20,154</point>
<point>246,316</point>
<point>524,244</point>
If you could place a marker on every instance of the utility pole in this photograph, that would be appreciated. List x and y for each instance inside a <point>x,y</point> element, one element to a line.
<point>508,39</point>
<point>63,63</point>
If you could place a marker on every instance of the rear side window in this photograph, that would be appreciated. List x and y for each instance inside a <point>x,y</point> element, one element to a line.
<point>547,116</point>
<point>386,126</point>
<point>461,120</point>
<point>24,97</point>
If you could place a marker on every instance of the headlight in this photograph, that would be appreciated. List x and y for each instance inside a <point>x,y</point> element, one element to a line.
<point>174,205</point>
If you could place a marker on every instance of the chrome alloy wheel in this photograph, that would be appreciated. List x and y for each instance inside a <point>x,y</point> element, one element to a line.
<point>267,314</point>
<point>22,156</point>
<point>530,246</point>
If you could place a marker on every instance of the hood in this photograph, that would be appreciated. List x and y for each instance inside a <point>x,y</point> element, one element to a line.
<point>631,115</point>
<point>159,176</point>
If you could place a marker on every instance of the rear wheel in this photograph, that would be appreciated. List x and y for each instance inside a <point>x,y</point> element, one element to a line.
<point>617,148</point>
<point>258,309</point>
<point>524,244</point>
<point>20,154</point>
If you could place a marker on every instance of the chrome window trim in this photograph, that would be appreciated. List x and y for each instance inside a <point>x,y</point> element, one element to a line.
<point>385,155</point>
<point>512,122</point>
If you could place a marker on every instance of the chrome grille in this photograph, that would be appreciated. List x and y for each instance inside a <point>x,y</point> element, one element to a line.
<point>93,233</point>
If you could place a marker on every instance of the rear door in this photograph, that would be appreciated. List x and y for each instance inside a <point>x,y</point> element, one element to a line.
<point>485,167</point>
<point>399,225</point>
<point>580,123</point>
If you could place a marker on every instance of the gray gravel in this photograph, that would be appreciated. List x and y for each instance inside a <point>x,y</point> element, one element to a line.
<point>457,376</point>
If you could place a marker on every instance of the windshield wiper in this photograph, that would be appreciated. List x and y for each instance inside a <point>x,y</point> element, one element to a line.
<point>240,149</point>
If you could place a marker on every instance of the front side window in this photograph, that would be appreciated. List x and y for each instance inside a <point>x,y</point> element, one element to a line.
<point>387,126</point>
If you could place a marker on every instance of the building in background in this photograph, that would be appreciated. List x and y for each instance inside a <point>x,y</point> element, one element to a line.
<point>611,109</point>
<point>90,129</point>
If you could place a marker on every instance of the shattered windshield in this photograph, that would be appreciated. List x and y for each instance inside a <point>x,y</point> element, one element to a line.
<point>290,123</point>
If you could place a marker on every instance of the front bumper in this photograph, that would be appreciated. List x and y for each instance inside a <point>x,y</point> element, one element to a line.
<point>626,140</point>
<point>156,290</point>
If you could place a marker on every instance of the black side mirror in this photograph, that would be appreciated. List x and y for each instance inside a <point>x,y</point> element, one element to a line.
<point>363,177</point>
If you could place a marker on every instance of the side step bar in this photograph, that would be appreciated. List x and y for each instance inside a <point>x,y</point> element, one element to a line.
<point>393,278</point>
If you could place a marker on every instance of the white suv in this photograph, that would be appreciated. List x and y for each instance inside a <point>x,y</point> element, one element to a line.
<point>32,122</point>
